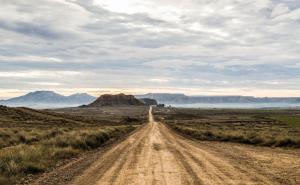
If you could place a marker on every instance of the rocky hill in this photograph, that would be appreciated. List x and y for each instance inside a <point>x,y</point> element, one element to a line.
<point>116,100</point>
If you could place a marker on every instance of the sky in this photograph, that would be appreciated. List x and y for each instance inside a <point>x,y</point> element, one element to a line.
<point>196,47</point>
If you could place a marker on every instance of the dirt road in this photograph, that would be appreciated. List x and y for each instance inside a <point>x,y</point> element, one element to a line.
<point>156,155</point>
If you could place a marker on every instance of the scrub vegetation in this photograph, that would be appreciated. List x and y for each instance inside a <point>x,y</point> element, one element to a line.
<point>34,141</point>
<point>275,128</point>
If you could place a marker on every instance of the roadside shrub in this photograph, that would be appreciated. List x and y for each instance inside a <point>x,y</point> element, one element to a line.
<point>262,139</point>
<point>286,142</point>
<point>32,168</point>
<point>64,153</point>
<point>22,138</point>
<point>20,159</point>
<point>37,153</point>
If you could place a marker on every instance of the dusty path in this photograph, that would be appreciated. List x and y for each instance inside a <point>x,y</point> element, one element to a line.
<point>156,155</point>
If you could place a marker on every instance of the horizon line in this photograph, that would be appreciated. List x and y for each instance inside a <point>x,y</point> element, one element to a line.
<point>137,94</point>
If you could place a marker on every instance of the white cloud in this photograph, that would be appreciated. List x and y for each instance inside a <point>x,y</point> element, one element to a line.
<point>29,59</point>
<point>38,74</point>
<point>280,9</point>
<point>186,46</point>
<point>46,84</point>
<point>290,16</point>
<point>159,80</point>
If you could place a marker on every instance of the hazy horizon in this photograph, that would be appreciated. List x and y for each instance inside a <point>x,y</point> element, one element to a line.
<point>128,93</point>
<point>244,47</point>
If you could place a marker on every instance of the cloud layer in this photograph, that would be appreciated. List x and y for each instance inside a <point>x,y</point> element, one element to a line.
<point>247,47</point>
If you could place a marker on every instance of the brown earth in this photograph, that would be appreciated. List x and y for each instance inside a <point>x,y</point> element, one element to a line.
<point>156,155</point>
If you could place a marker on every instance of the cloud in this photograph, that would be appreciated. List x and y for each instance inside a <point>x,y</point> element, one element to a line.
<point>38,74</point>
<point>178,45</point>
<point>30,29</point>
<point>159,80</point>
<point>280,9</point>
<point>29,59</point>
<point>46,84</point>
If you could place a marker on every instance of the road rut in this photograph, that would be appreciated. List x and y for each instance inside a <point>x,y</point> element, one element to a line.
<point>155,155</point>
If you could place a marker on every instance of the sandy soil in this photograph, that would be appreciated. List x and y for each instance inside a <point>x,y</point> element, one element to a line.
<point>156,155</point>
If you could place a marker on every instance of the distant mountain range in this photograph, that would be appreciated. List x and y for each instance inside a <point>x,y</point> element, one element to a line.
<point>167,98</point>
<point>50,99</point>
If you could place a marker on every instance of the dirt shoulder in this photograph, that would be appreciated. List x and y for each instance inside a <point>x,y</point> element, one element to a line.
<point>156,155</point>
<point>67,170</point>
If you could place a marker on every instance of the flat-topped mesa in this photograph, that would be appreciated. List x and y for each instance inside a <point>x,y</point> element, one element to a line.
<point>116,100</point>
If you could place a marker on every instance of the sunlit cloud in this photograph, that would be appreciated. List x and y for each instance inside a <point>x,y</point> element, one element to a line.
<point>45,83</point>
<point>159,80</point>
<point>38,74</point>
<point>29,59</point>
<point>249,47</point>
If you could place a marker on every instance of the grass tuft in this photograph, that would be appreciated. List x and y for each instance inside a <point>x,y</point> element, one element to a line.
<point>33,141</point>
<point>275,128</point>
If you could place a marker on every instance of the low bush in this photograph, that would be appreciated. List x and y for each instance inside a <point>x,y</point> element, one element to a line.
<point>23,159</point>
<point>255,139</point>
<point>275,128</point>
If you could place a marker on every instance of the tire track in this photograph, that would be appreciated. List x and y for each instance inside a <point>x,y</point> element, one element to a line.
<point>156,155</point>
<point>217,166</point>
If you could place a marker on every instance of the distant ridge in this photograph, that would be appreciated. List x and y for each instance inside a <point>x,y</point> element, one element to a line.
<point>115,100</point>
<point>48,99</point>
<point>183,99</point>
<point>148,101</point>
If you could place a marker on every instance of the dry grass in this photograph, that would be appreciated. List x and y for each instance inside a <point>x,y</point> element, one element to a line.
<point>24,159</point>
<point>277,128</point>
<point>32,141</point>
